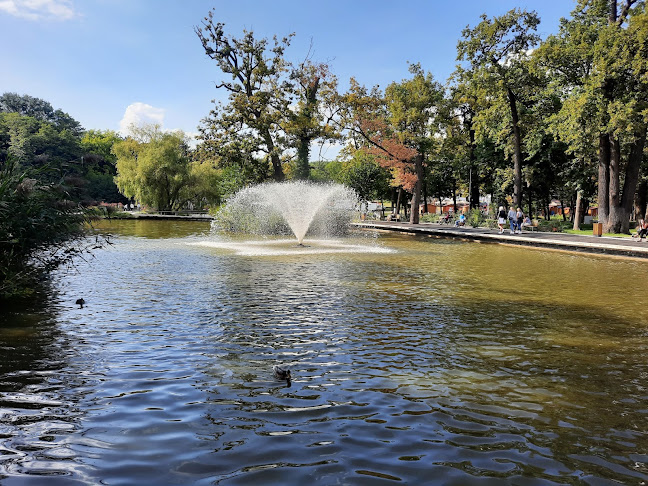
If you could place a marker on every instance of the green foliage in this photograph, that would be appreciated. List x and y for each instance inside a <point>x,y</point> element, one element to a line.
<point>40,228</point>
<point>475,218</point>
<point>250,123</point>
<point>40,110</point>
<point>365,175</point>
<point>156,169</point>
<point>429,218</point>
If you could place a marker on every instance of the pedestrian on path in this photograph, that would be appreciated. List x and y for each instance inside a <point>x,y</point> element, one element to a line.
<point>512,219</point>
<point>501,218</point>
<point>519,218</point>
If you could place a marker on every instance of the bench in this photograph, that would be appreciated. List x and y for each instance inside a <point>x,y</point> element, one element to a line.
<point>393,217</point>
<point>532,227</point>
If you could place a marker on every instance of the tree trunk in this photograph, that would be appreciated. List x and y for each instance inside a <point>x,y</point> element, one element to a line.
<point>621,202</point>
<point>603,178</point>
<point>277,170</point>
<point>579,213</point>
<point>641,200</point>
<point>562,210</point>
<point>424,189</point>
<point>306,134</point>
<point>474,173</point>
<point>416,195</point>
<point>405,204</point>
<point>398,201</point>
<point>303,153</point>
<point>612,12</point>
<point>631,177</point>
<point>393,200</point>
<point>517,152</point>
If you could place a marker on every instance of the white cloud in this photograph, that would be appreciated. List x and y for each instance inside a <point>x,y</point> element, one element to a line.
<point>39,9</point>
<point>139,114</point>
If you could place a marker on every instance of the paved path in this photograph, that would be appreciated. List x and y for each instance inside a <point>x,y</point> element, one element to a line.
<point>561,241</point>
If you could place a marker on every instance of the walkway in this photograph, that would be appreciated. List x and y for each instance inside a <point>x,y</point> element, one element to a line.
<point>179,215</point>
<point>561,241</point>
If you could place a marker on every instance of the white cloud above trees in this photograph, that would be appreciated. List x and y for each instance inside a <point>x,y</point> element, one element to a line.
<point>139,114</point>
<point>39,9</point>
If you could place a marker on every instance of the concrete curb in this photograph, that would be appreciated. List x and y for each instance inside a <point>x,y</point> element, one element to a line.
<point>597,245</point>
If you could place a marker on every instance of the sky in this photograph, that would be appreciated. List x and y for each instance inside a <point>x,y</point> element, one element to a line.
<point>109,63</point>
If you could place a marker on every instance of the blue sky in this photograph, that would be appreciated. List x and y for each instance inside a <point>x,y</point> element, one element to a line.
<point>107,62</point>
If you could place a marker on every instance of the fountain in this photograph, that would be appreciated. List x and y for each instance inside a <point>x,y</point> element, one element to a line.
<point>296,208</point>
<point>290,207</point>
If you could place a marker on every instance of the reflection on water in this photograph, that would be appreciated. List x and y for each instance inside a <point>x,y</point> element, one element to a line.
<point>439,362</point>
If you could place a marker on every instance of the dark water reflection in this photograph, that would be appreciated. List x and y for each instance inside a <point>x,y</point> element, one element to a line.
<point>442,363</point>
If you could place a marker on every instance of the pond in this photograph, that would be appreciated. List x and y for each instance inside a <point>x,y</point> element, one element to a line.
<point>414,361</point>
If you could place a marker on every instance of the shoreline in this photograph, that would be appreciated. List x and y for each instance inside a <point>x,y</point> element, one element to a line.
<point>599,245</point>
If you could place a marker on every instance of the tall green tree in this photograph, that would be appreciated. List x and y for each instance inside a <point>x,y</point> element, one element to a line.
<point>310,84</point>
<point>99,165</point>
<point>158,169</point>
<point>251,121</point>
<point>39,109</point>
<point>497,53</point>
<point>413,107</point>
<point>599,58</point>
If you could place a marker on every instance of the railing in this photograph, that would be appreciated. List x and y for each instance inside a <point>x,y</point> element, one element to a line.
<point>182,212</point>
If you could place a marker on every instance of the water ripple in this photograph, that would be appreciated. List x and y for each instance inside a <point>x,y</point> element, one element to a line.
<point>419,365</point>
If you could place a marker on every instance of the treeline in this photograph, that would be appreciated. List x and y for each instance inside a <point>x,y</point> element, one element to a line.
<point>49,169</point>
<point>520,119</point>
<point>34,136</point>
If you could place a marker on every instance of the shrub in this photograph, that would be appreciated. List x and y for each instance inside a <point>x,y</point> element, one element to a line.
<point>429,218</point>
<point>475,218</point>
<point>40,228</point>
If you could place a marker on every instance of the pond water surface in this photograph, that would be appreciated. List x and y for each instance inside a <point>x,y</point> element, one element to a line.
<point>414,361</point>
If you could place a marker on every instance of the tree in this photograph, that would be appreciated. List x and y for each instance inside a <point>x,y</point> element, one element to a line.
<point>364,114</point>
<point>157,169</point>
<point>153,168</point>
<point>599,57</point>
<point>497,51</point>
<point>413,107</point>
<point>306,123</point>
<point>251,122</point>
<point>39,109</point>
<point>99,165</point>
<point>34,142</point>
<point>363,174</point>
<point>462,109</point>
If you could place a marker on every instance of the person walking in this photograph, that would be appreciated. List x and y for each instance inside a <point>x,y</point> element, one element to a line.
<point>519,217</point>
<point>501,218</point>
<point>512,219</point>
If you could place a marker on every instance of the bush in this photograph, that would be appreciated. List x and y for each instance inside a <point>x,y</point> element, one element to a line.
<point>475,218</point>
<point>429,218</point>
<point>552,225</point>
<point>40,228</point>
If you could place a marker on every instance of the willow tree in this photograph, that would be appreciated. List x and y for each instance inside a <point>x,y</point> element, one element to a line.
<point>153,167</point>
<point>497,52</point>
<point>257,103</point>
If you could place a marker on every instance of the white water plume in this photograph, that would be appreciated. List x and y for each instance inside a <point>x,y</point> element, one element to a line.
<point>295,206</point>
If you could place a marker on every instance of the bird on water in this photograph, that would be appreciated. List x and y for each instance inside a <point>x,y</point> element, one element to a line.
<point>282,374</point>
<point>80,303</point>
